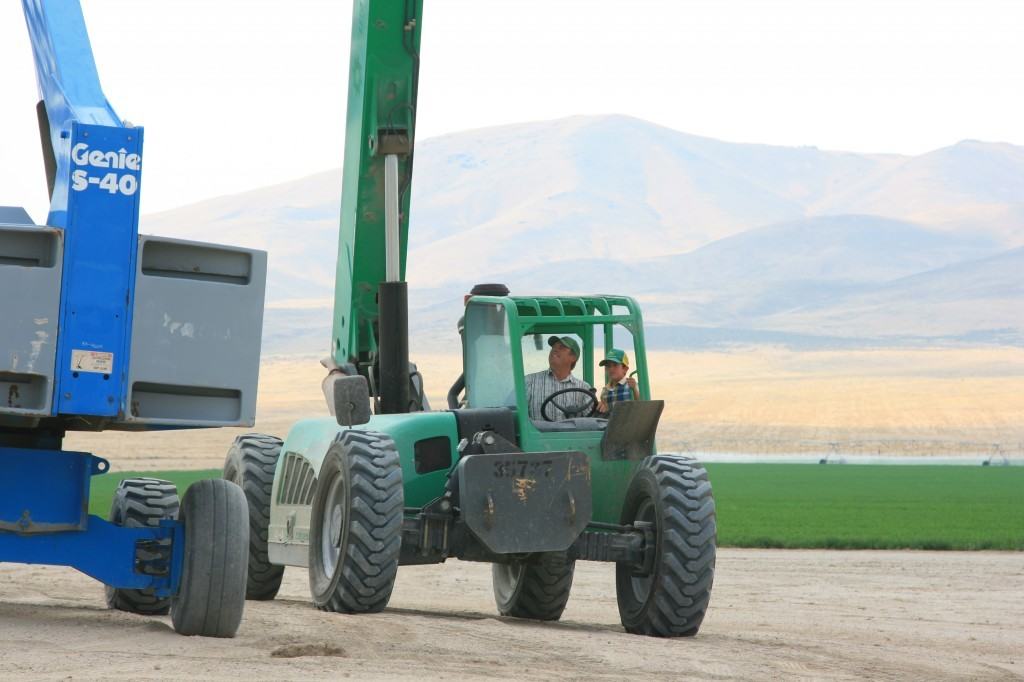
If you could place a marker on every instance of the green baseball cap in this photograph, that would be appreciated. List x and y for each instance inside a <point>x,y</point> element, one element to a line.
<point>566,341</point>
<point>617,356</point>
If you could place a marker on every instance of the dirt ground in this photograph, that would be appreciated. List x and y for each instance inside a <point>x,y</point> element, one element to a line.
<point>774,615</point>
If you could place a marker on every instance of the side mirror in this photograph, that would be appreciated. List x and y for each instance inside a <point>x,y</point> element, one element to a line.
<point>351,400</point>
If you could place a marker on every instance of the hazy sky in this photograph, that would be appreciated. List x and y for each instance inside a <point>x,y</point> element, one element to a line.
<point>239,94</point>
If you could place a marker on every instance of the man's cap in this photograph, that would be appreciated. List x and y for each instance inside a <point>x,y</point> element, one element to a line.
<point>566,341</point>
<point>617,356</point>
<point>495,289</point>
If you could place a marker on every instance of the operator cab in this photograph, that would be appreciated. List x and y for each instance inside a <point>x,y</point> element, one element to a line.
<point>507,339</point>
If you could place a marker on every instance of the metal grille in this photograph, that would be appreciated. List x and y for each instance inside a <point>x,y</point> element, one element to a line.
<point>298,483</point>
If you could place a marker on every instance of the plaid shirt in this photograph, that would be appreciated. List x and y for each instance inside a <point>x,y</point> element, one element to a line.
<point>540,385</point>
<point>617,393</point>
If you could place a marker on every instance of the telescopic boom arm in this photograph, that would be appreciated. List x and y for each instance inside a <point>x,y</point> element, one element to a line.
<point>370,310</point>
<point>69,89</point>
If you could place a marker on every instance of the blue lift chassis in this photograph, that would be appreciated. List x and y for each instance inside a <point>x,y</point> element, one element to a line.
<point>44,519</point>
<point>103,328</point>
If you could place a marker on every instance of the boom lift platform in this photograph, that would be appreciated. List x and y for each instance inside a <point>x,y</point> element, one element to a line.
<point>353,496</point>
<point>104,328</point>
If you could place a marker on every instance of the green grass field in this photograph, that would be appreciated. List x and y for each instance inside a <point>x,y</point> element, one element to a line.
<point>869,507</point>
<point>814,506</point>
<point>102,490</point>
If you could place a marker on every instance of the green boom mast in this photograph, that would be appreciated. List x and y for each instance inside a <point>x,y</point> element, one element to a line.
<point>370,309</point>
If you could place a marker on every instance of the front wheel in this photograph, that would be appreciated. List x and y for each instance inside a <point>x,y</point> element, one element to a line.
<point>670,495</point>
<point>355,533</point>
<point>212,593</point>
<point>538,589</point>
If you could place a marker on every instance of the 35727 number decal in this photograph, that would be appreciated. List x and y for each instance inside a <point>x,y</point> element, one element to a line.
<point>522,468</point>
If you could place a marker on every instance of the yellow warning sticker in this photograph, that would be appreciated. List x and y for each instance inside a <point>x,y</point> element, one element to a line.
<point>91,361</point>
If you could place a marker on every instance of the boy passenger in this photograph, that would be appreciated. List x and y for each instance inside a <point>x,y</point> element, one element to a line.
<point>619,387</point>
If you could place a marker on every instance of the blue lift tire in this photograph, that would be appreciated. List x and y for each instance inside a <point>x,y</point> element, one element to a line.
<point>140,503</point>
<point>211,596</point>
<point>673,495</point>
<point>250,464</point>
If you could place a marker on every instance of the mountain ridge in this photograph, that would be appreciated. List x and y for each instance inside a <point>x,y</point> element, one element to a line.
<point>705,233</point>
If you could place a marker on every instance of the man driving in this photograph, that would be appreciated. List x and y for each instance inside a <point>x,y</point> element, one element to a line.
<point>562,358</point>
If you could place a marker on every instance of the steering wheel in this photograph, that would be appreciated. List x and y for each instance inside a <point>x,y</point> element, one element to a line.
<point>570,412</point>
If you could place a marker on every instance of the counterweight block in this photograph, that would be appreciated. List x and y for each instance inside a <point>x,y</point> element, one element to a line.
<point>525,501</point>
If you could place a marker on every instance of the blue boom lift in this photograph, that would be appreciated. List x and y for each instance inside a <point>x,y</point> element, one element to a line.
<point>104,328</point>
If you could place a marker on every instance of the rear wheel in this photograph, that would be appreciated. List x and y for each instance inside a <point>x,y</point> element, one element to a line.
<point>536,589</point>
<point>355,532</point>
<point>668,598</point>
<point>141,503</point>
<point>211,597</point>
<point>251,463</point>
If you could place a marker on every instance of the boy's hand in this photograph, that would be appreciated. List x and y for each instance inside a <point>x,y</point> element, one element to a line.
<point>631,382</point>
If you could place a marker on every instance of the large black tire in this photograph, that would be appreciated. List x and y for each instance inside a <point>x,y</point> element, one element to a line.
<point>355,532</point>
<point>250,464</point>
<point>211,598</point>
<point>672,494</point>
<point>537,589</point>
<point>140,503</point>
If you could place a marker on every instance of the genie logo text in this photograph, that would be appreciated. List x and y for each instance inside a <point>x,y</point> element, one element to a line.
<point>91,164</point>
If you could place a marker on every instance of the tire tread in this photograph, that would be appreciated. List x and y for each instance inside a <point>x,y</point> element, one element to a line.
<point>253,459</point>
<point>685,568</point>
<point>368,564</point>
<point>543,592</point>
<point>211,598</point>
<point>142,502</point>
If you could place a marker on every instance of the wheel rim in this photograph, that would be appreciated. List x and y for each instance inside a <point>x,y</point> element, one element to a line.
<point>641,584</point>
<point>332,523</point>
<point>235,476</point>
<point>508,579</point>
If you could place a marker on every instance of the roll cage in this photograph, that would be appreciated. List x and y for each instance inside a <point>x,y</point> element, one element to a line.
<point>499,327</point>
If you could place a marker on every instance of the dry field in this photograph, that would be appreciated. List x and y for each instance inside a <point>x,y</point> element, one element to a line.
<point>941,402</point>
<point>918,402</point>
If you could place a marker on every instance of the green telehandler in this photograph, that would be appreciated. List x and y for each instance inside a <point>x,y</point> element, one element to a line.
<point>355,495</point>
